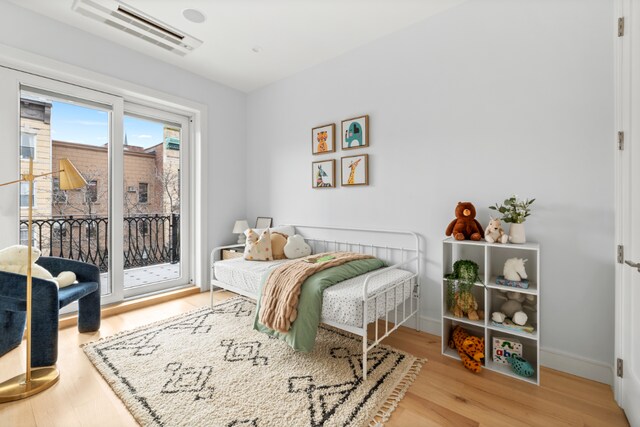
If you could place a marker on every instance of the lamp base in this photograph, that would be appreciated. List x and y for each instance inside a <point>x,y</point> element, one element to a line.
<point>16,388</point>
<point>241,239</point>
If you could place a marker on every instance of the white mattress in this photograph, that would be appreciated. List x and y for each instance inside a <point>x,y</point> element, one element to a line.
<point>341,303</point>
<point>243,274</point>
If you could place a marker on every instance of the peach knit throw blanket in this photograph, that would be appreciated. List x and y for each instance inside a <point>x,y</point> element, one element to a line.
<point>281,290</point>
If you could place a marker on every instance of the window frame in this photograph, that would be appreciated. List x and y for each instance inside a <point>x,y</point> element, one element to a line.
<point>92,184</point>
<point>34,204</point>
<point>34,133</point>
<point>146,193</point>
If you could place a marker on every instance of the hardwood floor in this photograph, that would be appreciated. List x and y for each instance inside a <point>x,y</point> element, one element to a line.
<point>444,393</point>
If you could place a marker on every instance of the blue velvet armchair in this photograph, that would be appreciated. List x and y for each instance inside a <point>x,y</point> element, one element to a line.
<point>47,301</point>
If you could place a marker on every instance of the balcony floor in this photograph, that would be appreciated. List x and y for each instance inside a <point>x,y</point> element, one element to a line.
<point>140,276</point>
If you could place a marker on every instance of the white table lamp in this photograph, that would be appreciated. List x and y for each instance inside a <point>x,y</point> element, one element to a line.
<point>239,228</point>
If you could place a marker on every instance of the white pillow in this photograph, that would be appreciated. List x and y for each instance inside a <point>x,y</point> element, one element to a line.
<point>258,248</point>
<point>296,247</point>
<point>284,229</point>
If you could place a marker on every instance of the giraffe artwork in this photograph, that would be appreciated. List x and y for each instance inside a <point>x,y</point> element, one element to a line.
<point>355,170</point>
<point>352,176</point>
<point>323,174</point>
<point>322,139</point>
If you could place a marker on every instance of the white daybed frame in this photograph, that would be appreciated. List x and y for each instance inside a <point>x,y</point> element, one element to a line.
<point>396,257</point>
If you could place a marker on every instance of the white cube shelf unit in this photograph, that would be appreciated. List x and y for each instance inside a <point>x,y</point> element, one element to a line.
<point>490,258</point>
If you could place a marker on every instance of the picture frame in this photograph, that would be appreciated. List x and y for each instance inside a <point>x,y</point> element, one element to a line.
<point>263,222</point>
<point>354,170</point>
<point>355,133</point>
<point>323,139</point>
<point>323,174</point>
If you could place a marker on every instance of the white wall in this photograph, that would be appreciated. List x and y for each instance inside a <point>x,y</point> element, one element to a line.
<point>491,98</point>
<point>35,33</point>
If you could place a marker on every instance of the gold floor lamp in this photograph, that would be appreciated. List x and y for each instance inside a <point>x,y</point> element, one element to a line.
<point>35,380</point>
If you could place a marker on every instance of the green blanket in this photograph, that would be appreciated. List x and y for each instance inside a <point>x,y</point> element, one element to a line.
<point>302,335</point>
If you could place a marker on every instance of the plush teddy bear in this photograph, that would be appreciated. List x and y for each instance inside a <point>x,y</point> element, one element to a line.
<point>14,260</point>
<point>494,232</point>
<point>465,226</point>
<point>296,247</point>
<point>470,349</point>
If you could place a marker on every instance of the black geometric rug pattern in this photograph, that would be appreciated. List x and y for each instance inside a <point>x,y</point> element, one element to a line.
<point>209,368</point>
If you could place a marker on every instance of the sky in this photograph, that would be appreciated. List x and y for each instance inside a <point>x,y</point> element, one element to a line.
<point>74,123</point>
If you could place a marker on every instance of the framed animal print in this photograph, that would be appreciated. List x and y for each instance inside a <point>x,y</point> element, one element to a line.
<point>355,133</point>
<point>355,170</point>
<point>323,139</point>
<point>323,174</point>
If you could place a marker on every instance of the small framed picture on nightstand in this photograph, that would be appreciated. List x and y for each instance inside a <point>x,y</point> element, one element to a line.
<point>263,222</point>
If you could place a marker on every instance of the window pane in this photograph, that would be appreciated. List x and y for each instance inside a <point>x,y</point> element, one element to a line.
<point>143,192</point>
<point>24,195</point>
<point>27,145</point>
<point>68,224</point>
<point>152,201</point>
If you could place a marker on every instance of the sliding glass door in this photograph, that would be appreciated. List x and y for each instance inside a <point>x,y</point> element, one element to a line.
<point>155,200</point>
<point>129,219</point>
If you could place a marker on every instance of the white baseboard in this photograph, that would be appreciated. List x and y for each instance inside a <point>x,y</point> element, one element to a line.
<point>577,365</point>
<point>550,358</point>
<point>430,325</point>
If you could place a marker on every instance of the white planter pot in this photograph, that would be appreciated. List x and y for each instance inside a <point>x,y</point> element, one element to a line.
<point>516,233</point>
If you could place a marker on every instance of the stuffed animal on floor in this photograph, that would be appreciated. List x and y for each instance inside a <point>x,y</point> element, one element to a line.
<point>494,232</point>
<point>470,349</point>
<point>465,226</point>
<point>14,260</point>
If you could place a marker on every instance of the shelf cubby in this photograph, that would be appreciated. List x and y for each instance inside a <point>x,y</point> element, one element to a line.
<point>490,258</point>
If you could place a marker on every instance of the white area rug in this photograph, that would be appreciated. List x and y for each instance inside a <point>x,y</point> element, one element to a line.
<point>210,368</point>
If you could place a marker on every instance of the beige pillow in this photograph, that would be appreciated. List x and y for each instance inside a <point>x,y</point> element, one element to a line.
<point>278,240</point>
<point>258,248</point>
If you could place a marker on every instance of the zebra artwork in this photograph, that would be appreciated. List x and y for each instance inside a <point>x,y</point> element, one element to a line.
<point>320,176</point>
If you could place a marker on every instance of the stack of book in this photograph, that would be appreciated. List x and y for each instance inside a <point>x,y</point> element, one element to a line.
<point>522,284</point>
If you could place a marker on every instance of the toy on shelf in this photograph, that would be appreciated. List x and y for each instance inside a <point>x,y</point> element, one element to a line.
<point>460,299</point>
<point>511,314</point>
<point>514,269</point>
<point>503,348</point>
<point>470,349</point>
<point>494,232</point>
<point>521,366</point>
<point>465,226</point>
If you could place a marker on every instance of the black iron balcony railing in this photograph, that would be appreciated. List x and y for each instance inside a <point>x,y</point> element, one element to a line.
<point>148,239</point>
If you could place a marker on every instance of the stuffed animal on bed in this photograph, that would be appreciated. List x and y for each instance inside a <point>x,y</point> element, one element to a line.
<point>470,349</point>
<point>465,226</point>
<point>14,260</point>
<point>296,247</point>
<point>258,248</point>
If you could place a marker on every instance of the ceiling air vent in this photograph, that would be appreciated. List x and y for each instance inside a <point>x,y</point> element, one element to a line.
<point>130,20</point>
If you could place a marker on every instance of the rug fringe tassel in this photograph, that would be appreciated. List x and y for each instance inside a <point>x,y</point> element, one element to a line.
<point>396,395</point>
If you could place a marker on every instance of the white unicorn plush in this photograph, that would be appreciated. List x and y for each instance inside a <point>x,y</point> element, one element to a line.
<point>494,232</point>
<point>514,269</point>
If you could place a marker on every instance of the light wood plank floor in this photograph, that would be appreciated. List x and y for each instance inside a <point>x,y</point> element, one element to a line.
<point>444,393</point>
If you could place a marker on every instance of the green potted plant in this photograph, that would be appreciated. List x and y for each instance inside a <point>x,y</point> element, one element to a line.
<point>515,212</point>
<point>460,283</point>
